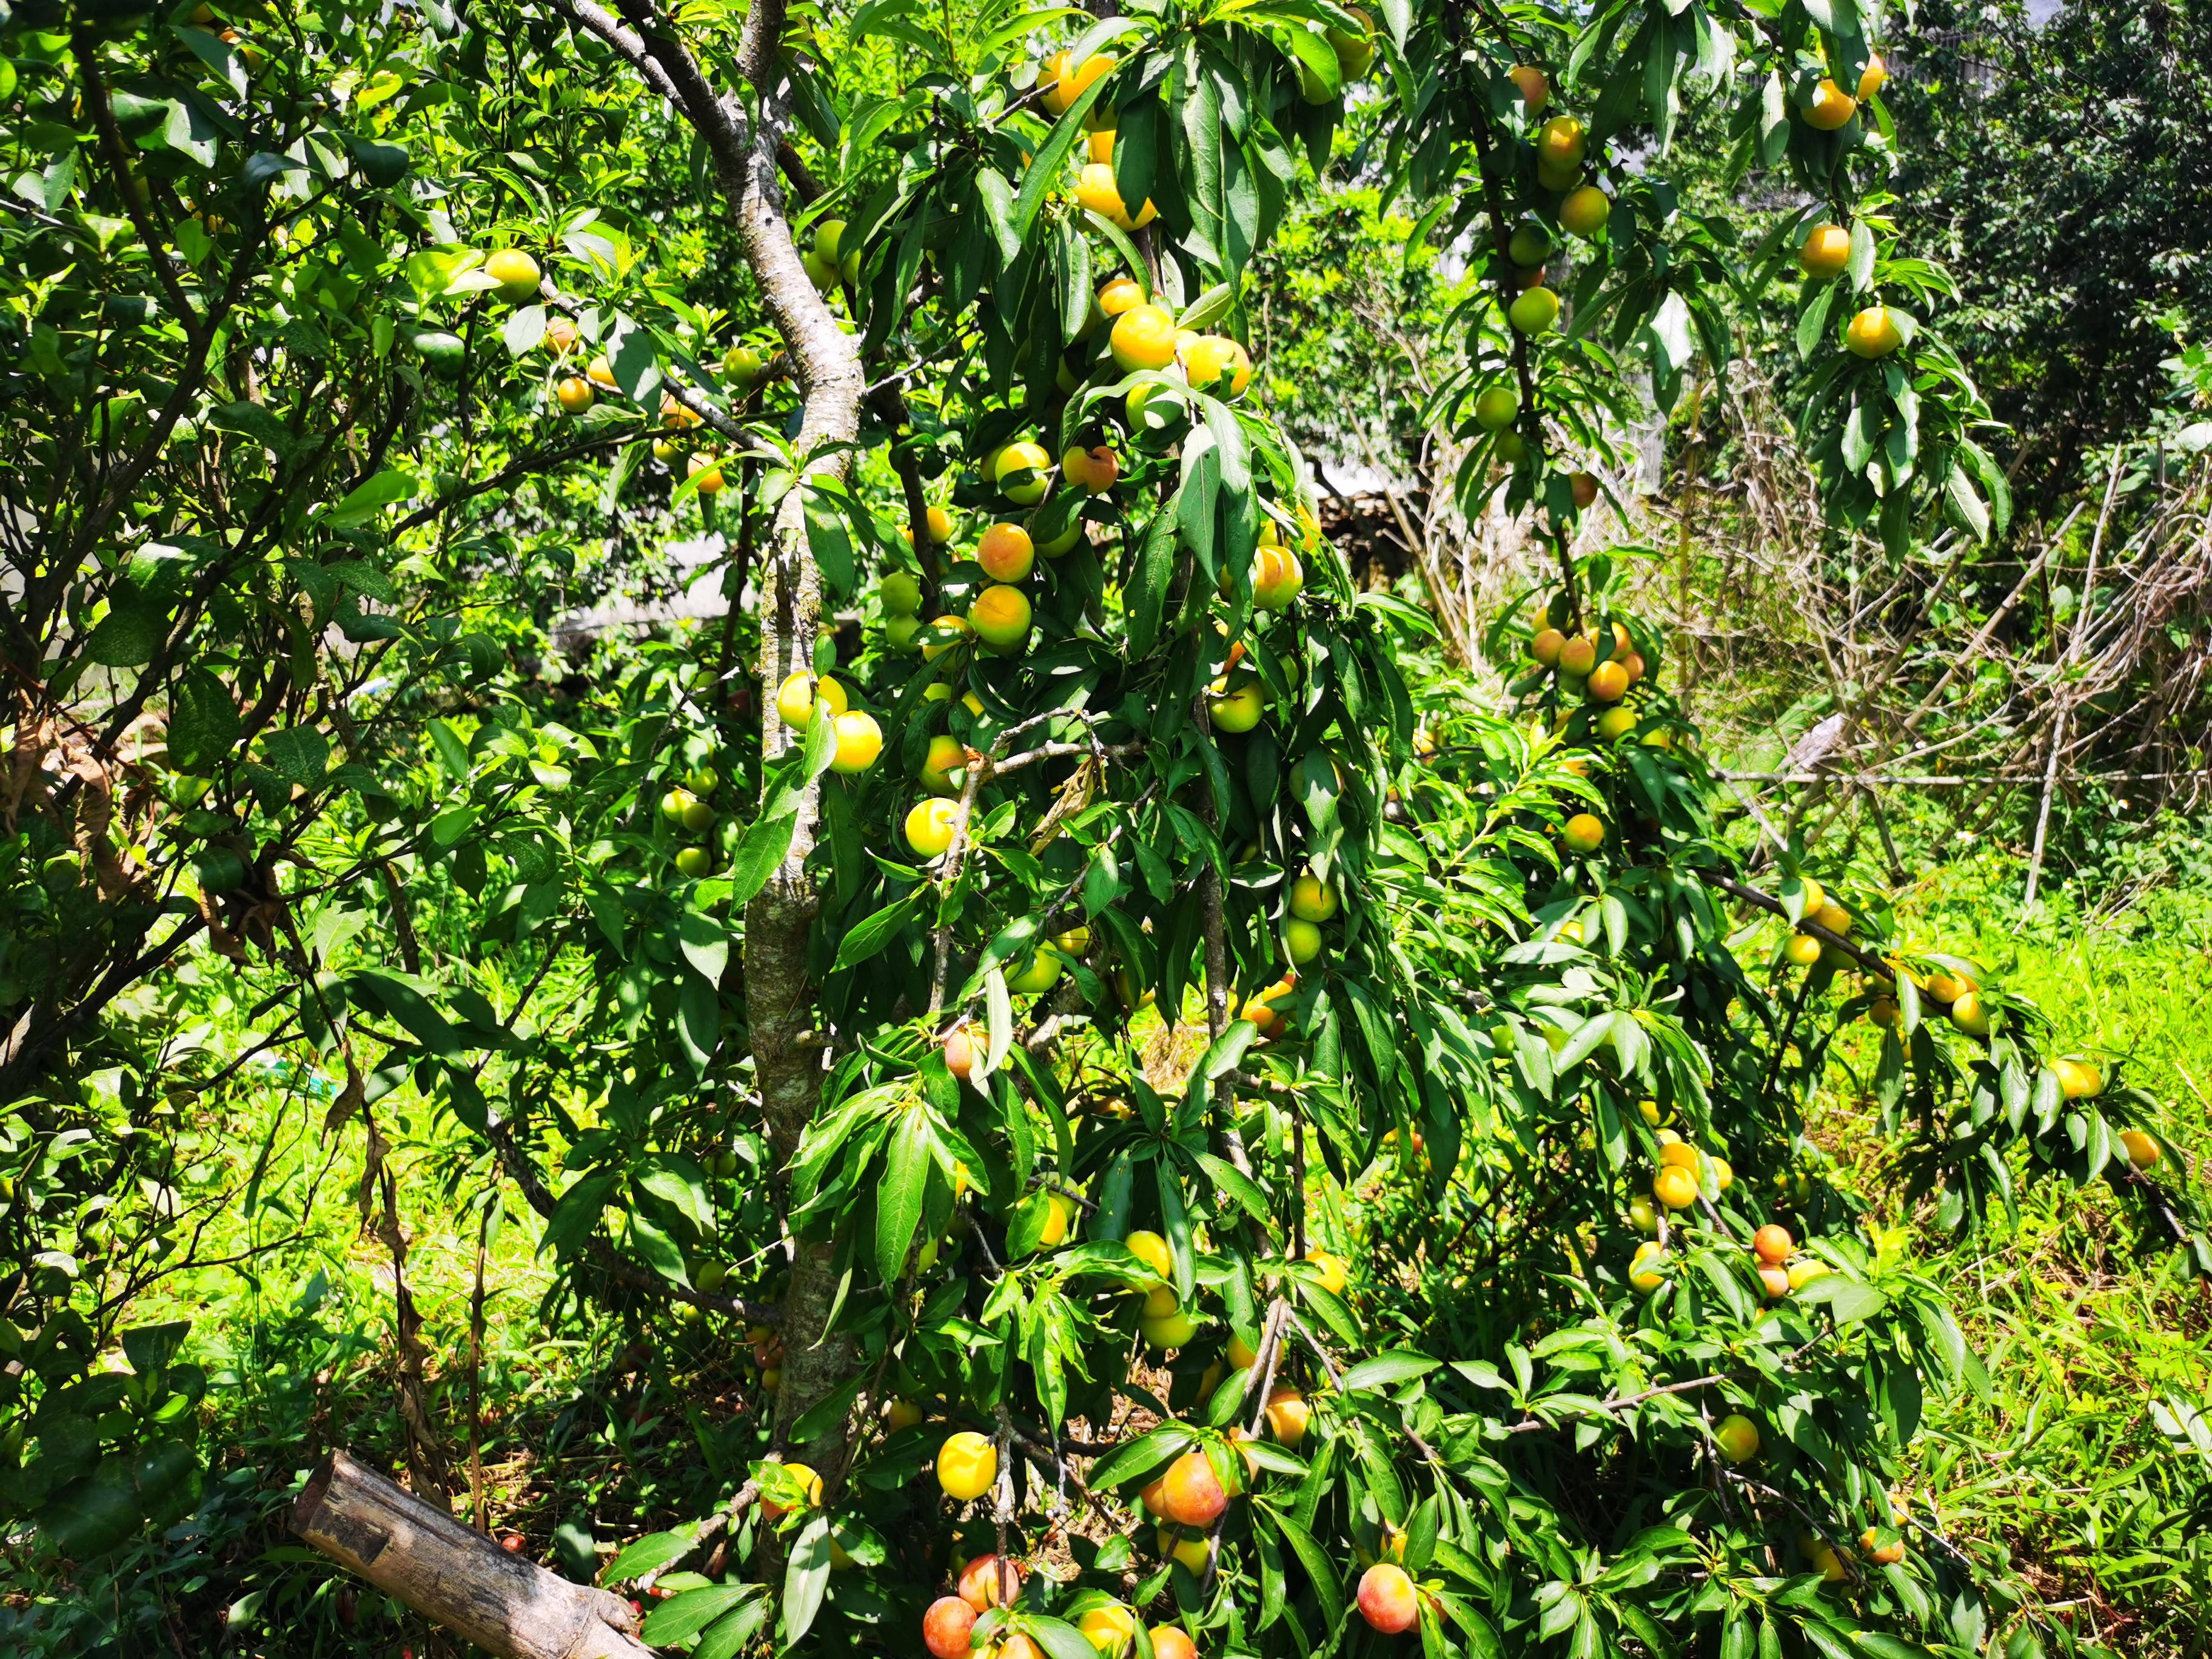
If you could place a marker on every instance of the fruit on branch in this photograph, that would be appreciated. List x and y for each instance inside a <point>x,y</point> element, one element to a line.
<point>574,394</point>
<point>1802,950</point>
<point>1093,470</point>
<point>1118,295</point>
<point>1313,899</point>
<point>1190,1549</point>
<point>705,473</point>
<point>1737,1436</point>
<point>1642,1215</point>
<point>1803,1273</point>
<point>1584,833</point>
<point>945,634</point>
<point>1873,333</point>
<point>1333,1272</point>
<point>1872,77</point>
<point>1497,408</point>
<point>515,272</point>
<point>1585,212</point>
<point>929,826</point>
<point>694,863</point>
<point>902,1414</point>
<point>899,593</point>
<point>1676,1188</point>
<point>1036,972</point>
<point>1583,486</point>
<point>1168,1642</point>
<point>1289,1413</point>
<point>1546,646</point>
<point>1217,364</point>
<point>560,335</point>
<point>947,1627</point>
<point>1191,1494</point>
<point>1149,1248</point>
<point>796,697</point>
<point>1096,189</point>
<point>1006,551</point>
<point>1277,579</point>
<point>1608,682</point>
<point>860,740</point>
<point>1063,85</point>
<point>936,521</point>
<point>1355,53</point>
<point>1831,108</point>
<point>1882,1555</point>
<point>1302,940</point>
<point>1535,311</point>
<point>2077,1079</point>
<point>1023,472</point>
<point>743,367</point>
<point>1776,1281</point>
<point>1772,1245</point>
<point>809,1486</point>
<point>991,1581</point>
<point>1387,1598</point>
<point>1143,337</point>
<point>1577,656</point>
<point>1825,251</point>
<point>1642,1275</point>
<point>966,1465</point>
<point>1561,142</point>
<point>959,1050</point>
<point>1166,1322</point>
<point>1235,710</point>
<point>945,755</point>
<point>601,374</point>
<point>1833,917</point>
<point>1111,1629</point>
<point>2142,1152</point>
<point>1535,86</point>
<point>1968,1014</point>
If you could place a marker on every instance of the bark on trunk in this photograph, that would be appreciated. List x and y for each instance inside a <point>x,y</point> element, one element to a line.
<point>779,989</point>
<point>454,1575</point>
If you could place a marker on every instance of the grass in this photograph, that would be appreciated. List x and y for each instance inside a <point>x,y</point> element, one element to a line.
<point>2088,1463</point>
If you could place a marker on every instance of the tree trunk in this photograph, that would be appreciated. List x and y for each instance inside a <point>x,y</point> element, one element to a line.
<point>455,1576</point>
<point>779,990</point>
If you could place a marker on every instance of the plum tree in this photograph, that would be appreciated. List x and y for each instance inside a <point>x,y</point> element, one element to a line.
<point>1185,746</point>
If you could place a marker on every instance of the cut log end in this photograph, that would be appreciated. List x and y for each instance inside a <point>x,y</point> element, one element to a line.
<point>454,1576</point>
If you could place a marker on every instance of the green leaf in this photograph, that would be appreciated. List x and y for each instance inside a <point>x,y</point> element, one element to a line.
<point>865,938</point>
<point>687,1615</point>
<point>1847,1299</point>
<point>1139,1456</point>
<point>128,636</point>
<point>366,501</point>
<point>1398,1365</point>
<point>760,854</point>
<point>804,1581</point>
<point>1155,570</point>
<point>655,1549</point>
<point>898,1200</point>
<point>299,754</point>
<point>203,723</point>
<point>704,944</point>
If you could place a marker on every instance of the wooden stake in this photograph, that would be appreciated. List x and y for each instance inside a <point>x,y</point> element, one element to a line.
<point>453,1575</point>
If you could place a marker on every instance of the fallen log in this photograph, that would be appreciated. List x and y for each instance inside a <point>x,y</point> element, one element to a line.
<point>453,1575</point>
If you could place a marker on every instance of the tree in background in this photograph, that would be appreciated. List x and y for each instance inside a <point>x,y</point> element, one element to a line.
<point>2043,161</point>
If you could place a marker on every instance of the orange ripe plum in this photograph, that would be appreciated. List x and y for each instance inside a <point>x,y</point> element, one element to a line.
<point>1387,1599</point>
<point>947,1626</point>
<point>1190,1494</point>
